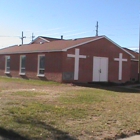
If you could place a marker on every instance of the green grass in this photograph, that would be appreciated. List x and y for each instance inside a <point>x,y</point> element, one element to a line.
<point>31,116</point>
<point>67,112</point>
<point>87,96</point>
<point>28,93</point>
<point>28,81</point>
<point>34,109</point>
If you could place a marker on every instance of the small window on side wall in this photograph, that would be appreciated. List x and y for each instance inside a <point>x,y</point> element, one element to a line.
<point>22,64</point>
<point>41,65</point>
<point>7,64</point>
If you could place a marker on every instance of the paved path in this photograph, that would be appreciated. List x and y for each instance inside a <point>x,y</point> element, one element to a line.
<point>132,138</point>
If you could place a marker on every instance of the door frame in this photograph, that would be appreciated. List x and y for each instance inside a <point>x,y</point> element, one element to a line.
<point>100,68</point>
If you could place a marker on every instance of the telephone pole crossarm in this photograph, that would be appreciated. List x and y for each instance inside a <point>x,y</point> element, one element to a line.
<point>22,37</point>
<point>33,36</point>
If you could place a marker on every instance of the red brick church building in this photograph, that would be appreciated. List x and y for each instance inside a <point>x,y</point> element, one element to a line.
<point>91,59</point>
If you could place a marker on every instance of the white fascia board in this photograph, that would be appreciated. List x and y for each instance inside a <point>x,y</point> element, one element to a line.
<point>82,44</point>
<point>26,52</point>
<point>119,47</point>
<point>44,39</point>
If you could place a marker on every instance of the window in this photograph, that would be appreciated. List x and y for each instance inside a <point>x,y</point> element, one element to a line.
<point>22,64</point>
<point>7,64</point>
<point>41,65</point>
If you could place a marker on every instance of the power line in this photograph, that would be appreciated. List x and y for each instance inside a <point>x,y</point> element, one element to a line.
<point>50,29</point>
<point>61,33</point>
<point>78,33</point>
<point>8,36</point>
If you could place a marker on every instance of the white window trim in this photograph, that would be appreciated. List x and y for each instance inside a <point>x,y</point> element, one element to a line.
<point>7,72</point>
<point>40,75</point>
<point>21,73</point>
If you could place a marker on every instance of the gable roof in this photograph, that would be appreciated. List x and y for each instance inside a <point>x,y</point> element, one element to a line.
<point>46,39</point>
<point>56,45</point>
<point>50,38</point>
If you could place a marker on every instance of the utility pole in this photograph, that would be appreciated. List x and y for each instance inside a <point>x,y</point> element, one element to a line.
<point>33,36</point>
<point>22,37</point>
<point>97,28</point>
<point>139,55</point>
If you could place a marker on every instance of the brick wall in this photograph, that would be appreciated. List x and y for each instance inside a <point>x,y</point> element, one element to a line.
<point>99,48</point>
<point>53,69</point>
<point>134,70</point>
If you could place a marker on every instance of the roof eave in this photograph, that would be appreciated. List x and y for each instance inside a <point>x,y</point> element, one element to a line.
<point>27,52</point>
<point>119,46</point>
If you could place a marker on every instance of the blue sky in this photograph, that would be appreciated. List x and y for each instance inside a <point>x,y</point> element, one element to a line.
<point>118,19</point>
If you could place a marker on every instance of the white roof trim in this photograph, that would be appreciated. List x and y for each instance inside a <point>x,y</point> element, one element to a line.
<point>40,38</point>
<point>98,39</point>
<point>22,52</point>
<point>82,43</point>
<point>119,47</point>
<point>44,39</point>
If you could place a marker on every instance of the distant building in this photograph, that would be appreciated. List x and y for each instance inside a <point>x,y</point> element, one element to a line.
<point>90,59</point>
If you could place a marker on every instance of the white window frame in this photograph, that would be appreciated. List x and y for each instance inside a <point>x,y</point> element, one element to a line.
<point>38,69</point>
<point>6,57</point>
<point>20,68</point>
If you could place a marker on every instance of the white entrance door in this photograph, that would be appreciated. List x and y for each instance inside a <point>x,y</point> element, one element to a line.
<point>100,69</point>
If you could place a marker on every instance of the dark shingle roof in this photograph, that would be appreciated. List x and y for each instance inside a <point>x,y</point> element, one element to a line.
<point>136,54</point>
<point>57,45</point>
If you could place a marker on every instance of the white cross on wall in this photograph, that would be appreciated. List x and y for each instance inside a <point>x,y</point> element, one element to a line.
<point>77,56</point>
<point>120,60</point>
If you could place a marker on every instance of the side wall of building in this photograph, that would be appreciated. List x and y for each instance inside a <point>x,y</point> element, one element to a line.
<point>53,66</point>
<point>134,71</point>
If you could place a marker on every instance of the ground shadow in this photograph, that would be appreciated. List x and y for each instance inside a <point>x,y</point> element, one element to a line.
<point>24,77</point>
<point>8,134</point>
<point>56,134</point>
<point>8,75</point>
<point>43,78</point>
<point>125,88</point>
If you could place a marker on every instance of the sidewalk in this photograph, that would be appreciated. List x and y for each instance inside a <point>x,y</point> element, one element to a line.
<point>132,138</point>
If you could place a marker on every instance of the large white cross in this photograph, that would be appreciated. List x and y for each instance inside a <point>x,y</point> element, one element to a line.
<point>120,59</point>
<point>77,56</point>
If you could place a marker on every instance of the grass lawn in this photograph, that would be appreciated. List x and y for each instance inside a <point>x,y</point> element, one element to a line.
<point>40,110</point>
